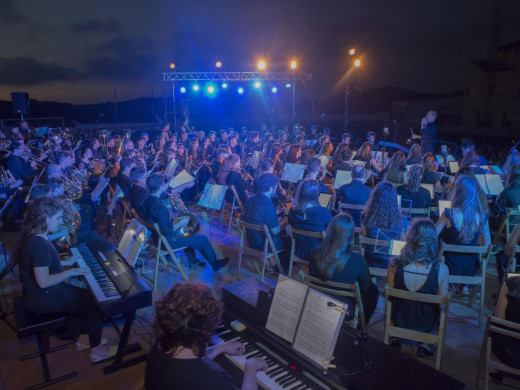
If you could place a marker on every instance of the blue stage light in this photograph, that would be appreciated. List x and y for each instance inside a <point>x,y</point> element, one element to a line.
<point>257,84</point>
<point>288,85</point>
<point>196,87</point>
<point>183,89</point>
<point>224,85</point>
<point>274,90</point>
<point>211,89</point>
<point>240,90</point>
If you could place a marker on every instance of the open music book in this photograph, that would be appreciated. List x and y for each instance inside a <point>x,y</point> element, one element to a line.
<point>293,173</point>
<point>396,246</point>
<point>454,166</point>
<point>342,177</point>
<point>100,187</point>
<point>308,319</point>
<point>182,178</point>
<point>170,168</point>
<point>444,204</point>
<point>213,196</point>
<point>490,184</point>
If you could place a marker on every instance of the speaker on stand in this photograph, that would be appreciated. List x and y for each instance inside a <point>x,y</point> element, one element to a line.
<point>20,102</point>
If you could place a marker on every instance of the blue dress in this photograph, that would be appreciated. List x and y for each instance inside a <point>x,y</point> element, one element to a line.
<point>459,263</point>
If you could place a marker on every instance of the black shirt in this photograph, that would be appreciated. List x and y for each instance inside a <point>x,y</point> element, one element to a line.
<point>315,219</point>
<point>37,252</point>
<point>124,182</point>
<point>510,197</point>
<point>235,179</point>
<point>19,167</point>
<point>419,199</point>
<point>259,210</point>
<point>166,373</point>
<point>431,177</point>
<point>138,195</point>
<point>154,211</point>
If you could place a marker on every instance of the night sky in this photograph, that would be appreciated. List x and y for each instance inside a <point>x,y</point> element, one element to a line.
<point>80,51</point>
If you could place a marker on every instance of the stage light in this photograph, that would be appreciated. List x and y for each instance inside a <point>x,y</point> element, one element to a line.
<point>357,63</point>
<point>172,65</point>
<point>288,85</point>
<point>294,64</point>
<point>240,90</point>
<point>218,64</point>
<point>257,84</point>
<point>274,90</point>
<point>210,89</point>
<point>196,87</point>
<point>352,52</point>
<point>224,85</point>
<point>261,65</point>
<point>183,89</point>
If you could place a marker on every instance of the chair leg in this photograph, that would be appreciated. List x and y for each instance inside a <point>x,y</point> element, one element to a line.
<point>239,263</point>
<point>157,259</point>
<point>179,266</point>
<point>230,220</point>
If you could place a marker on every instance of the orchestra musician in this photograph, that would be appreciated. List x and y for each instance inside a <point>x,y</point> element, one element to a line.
<point>414,155</point>
<point>355,192</point>
<point>365,154</point>
<point>371,139</point>
<point>230,174</point>
<point>44,279</point>
<point>154,211</point>
<point>18,165</point>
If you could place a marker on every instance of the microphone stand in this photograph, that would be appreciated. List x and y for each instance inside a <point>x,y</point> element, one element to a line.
<point>445,158</point>
<point>383,148</point>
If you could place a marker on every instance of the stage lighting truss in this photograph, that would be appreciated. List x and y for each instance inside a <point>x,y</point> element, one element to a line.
<point>236,76</point>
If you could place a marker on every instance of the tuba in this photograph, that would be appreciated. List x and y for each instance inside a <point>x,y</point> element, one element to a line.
<point>191,228</point>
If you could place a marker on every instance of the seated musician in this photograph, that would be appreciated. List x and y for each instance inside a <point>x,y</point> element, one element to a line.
<point>220,156</point>
<point>471,160</point>
<point>276,156</point>
<point>307,155</point>
<point>236,148</point>
<point>346,138</point>
<point>266,166</point>
<point>335,261</point>
<point>510,196</point>
<point>430,175</point>
<point>95,147</point>
<point>371,139</point>
<point>307,214</point>
<point>365,154</point>
<point>223,138</point>
<point>345,162</point>
<point>382,220</point>
<point>253,144</point>
<point>231,175</point>
<point>294,154</point>
<point>243,134</point>
<point>467,146</point>
<point>395,170</point>
<point>418,270</point>
<point>259,210</point>
<point>313,172</point>
<point>84,156</point>
<point>412,194</point>
<point>43,278</point>
<point>154,211</point>
<point>355,192</point>
<point>415,155</point>
<point>185,320</point>
<point>138,191</point>
<point>319,145</point>
<point>123,176</point>
<point>19,167</point>
<point>508,308</point>
<point>336,157</point>
<point>465,223</point>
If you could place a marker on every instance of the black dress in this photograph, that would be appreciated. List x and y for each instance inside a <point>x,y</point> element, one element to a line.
<point>459,263</point>
<point>419,316</point>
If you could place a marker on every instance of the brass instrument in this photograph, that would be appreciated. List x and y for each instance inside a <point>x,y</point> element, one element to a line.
<point>73,188</point>
<point>96,166</point>
<point>75,174</point>
<point>72,222</point>
<point>191,228</point>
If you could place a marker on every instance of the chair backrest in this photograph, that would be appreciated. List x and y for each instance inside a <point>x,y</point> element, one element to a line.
<point>372,241</point>
<point>342,289</point>
<point>351,206</point>
<point>237,198</point>
<point>306,233</point>
<point>512,220</point>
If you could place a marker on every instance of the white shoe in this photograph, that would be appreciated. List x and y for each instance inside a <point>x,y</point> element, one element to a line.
<point>80,346</point>
<point>102,353</point>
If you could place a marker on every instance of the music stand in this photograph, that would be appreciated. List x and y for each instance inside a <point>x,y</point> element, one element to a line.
<point>8,267</point>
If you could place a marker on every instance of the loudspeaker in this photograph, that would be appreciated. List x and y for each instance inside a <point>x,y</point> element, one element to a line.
<point>20,101</point>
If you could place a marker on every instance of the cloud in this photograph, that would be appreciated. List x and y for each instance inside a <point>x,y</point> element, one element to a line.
<point>121,44</point>
<point>124,67</point>
<point>109,25</point>
<point>8,14</point>
<point>28,71</point>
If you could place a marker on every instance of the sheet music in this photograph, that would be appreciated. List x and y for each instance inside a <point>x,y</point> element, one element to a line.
<point>444,204</point>
<point>429,187</point>
<point>342,177</point>
<point>170,168</point>
<point>288,300</point>
<point>100,187</point>
<point>324,199</point>
<point>319,326</point>
<point>454,166</point>
<point>182,178</point>
<point>490,184</point>
<point>213,196</point>
<point>132,242</point>
<point>396,246</point>
<point>293,173</point>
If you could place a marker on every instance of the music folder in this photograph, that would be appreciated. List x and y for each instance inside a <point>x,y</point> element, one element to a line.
<point>308,319</point>
<point>213,196</point>
<point>182,178</point>
<point>490,184</point>
<point>100,187</point>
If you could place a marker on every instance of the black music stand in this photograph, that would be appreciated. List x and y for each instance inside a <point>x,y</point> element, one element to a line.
<point>8,267</point>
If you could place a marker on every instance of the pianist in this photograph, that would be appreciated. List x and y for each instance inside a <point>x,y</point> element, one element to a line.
<point>185,320</point>
<point>45,289</point>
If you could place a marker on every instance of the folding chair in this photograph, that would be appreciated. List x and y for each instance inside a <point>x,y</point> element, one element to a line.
<point>306,233</point>
<point>235,205</point>
<point>126,216</point>
<point>430,338</point>
<point>268,252</point>
<point>344,290</point>
<point>490,362</point>
<point>510,220</point>
<point>478,280</point>
<point>350,206</point>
